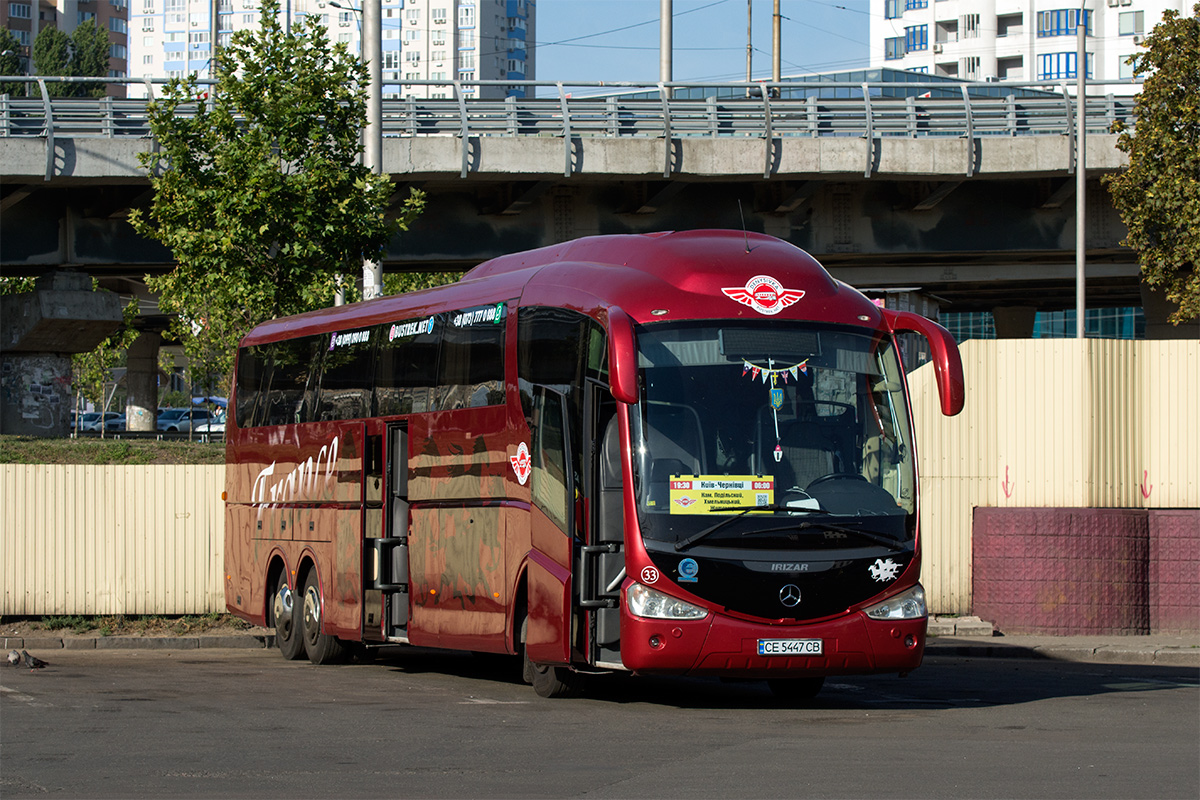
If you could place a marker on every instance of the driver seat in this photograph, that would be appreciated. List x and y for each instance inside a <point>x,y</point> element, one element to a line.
<point>808,454</point>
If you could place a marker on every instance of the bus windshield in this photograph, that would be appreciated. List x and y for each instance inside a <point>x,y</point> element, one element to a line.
<point>770,426</point>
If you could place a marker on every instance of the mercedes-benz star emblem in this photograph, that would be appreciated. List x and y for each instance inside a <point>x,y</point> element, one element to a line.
<point>789,595</point>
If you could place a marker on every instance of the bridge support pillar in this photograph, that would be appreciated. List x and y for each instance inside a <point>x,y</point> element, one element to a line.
<point>1157,309</point>
<point>1014,322</point>
<point>39,331</point>
<point>141,380</point>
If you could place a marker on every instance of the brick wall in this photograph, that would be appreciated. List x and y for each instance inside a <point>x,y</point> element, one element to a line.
<point>1071,571</point>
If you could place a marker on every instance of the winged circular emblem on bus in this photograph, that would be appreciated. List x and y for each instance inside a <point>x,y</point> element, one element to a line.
<point>522,464</point>
<point>764,294</point>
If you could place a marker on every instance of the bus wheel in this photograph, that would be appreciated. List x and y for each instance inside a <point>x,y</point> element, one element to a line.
<point>321,649</point>
<point>286,615</point>
<point>796,690</point>
<point>551,681</point>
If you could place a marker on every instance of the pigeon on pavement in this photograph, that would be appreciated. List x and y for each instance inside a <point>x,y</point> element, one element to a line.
<point>33,662</point>
<point>14,658</point>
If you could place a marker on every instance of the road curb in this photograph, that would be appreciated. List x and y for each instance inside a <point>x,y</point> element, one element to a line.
<point>244,642</point>
<point>1115,653</point>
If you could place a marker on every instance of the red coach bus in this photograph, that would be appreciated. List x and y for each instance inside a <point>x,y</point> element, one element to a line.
<point>675,453</point>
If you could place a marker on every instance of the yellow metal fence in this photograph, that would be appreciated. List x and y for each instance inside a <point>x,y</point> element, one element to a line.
<point>111,540</point>
<point>1056,424</point>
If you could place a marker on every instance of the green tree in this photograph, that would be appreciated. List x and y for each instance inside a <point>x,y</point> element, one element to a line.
<point>10,62</point>
<point>91,370</point>
<point>89,57</point>
<point>402,282</point>
<point>259,190</point>
<point>1158,195</point>
<point>52,56</point>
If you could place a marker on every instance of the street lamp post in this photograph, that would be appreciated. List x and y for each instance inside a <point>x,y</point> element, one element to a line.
<point>1080,170</point>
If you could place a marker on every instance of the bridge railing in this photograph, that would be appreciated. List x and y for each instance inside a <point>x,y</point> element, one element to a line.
<point>760,110</point>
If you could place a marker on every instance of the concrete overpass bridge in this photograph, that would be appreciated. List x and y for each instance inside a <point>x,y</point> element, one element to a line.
<point>964,190</point>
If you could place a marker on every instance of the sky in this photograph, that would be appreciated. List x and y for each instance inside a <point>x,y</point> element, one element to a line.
<point>617,40</point>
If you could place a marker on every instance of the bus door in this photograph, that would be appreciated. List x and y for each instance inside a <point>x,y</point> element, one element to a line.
<point>552,531</point>
<point>388,567</point>
<point>602,558</point>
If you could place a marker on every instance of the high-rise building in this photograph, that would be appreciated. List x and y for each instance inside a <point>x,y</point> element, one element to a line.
<point>439,40</point>
<point>20,17</point>
<point>1009,40</point>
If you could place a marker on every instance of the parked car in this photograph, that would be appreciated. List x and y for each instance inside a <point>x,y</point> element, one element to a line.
<point>215,425</point>
<point>92,420</point>
<point>182,419</point>
<point>117,423</point>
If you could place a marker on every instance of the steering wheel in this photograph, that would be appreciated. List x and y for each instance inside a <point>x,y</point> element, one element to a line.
<point>836,476</point>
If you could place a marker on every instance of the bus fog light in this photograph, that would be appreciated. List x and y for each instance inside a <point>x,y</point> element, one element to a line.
<point>909,604</point>
<point>653,604</point>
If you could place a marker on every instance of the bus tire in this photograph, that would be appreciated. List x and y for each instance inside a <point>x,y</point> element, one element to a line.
<point>287,620</point>
<point>526,664</point>
<point>796,690</point>
<point>321,648</point>
<point>548,680</point>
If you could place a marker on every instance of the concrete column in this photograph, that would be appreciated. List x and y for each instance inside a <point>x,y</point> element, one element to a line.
<point>1157,309</point>
<point>141,382</point>
<point>38,332</point>
<point>1014,322</point>
<point>35,394</point>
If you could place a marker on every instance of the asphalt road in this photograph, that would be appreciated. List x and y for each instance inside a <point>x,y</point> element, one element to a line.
<point>245,723</point>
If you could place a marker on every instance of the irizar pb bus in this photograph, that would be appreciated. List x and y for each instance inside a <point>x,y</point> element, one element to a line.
<point>680,453</point>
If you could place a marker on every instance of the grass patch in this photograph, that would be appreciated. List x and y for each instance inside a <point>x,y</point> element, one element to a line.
<point>124,452</point>
<point>127,625</point>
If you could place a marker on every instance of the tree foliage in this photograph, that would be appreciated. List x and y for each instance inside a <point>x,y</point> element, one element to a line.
<point>52,56</point>
<point>89,57</point>
<point>83,54</point>
<point>10,62</point>
<point>259,192</point>
<point>1158,195</point>
<point>91,370</point>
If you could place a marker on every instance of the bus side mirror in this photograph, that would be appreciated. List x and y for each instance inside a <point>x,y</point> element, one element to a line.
<point>622,357</point>
<point>947,364</point>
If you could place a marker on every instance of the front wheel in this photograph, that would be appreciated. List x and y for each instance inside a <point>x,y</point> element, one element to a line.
<point>796,690</point>
<point>548,680</point>
<point>321,648</point>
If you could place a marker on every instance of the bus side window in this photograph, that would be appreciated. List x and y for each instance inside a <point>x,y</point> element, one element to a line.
<point>346,381</point>
<point>290,397</point>
<point>471,366</point>
<point>252,374</point>
<point>405,372</point>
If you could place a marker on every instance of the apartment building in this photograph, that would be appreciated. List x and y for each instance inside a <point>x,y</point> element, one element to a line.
<point>26,17</point>
<point>1008,40</point>
<point>439,40</point>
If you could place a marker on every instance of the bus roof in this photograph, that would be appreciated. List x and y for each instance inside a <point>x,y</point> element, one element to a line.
<point>700,274</point>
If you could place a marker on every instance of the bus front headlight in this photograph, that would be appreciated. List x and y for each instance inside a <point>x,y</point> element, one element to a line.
<point>909,604</point>
<point>653,604</point>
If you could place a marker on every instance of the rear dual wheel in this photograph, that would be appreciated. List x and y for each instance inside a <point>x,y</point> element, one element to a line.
<point>321,648</point>
<point>286,614</point>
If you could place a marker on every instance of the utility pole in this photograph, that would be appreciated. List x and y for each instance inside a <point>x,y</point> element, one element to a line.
<point>372,49</point>
<point>665,45</point>
<point>749,41</point>
<point>775,73</point>
<point>1080,170</point>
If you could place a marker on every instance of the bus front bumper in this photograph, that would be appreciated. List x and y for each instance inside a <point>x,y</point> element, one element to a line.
<point>721,645</point>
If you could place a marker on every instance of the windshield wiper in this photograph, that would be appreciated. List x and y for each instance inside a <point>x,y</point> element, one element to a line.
<point>742,511</point>
<point>830,527</point>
